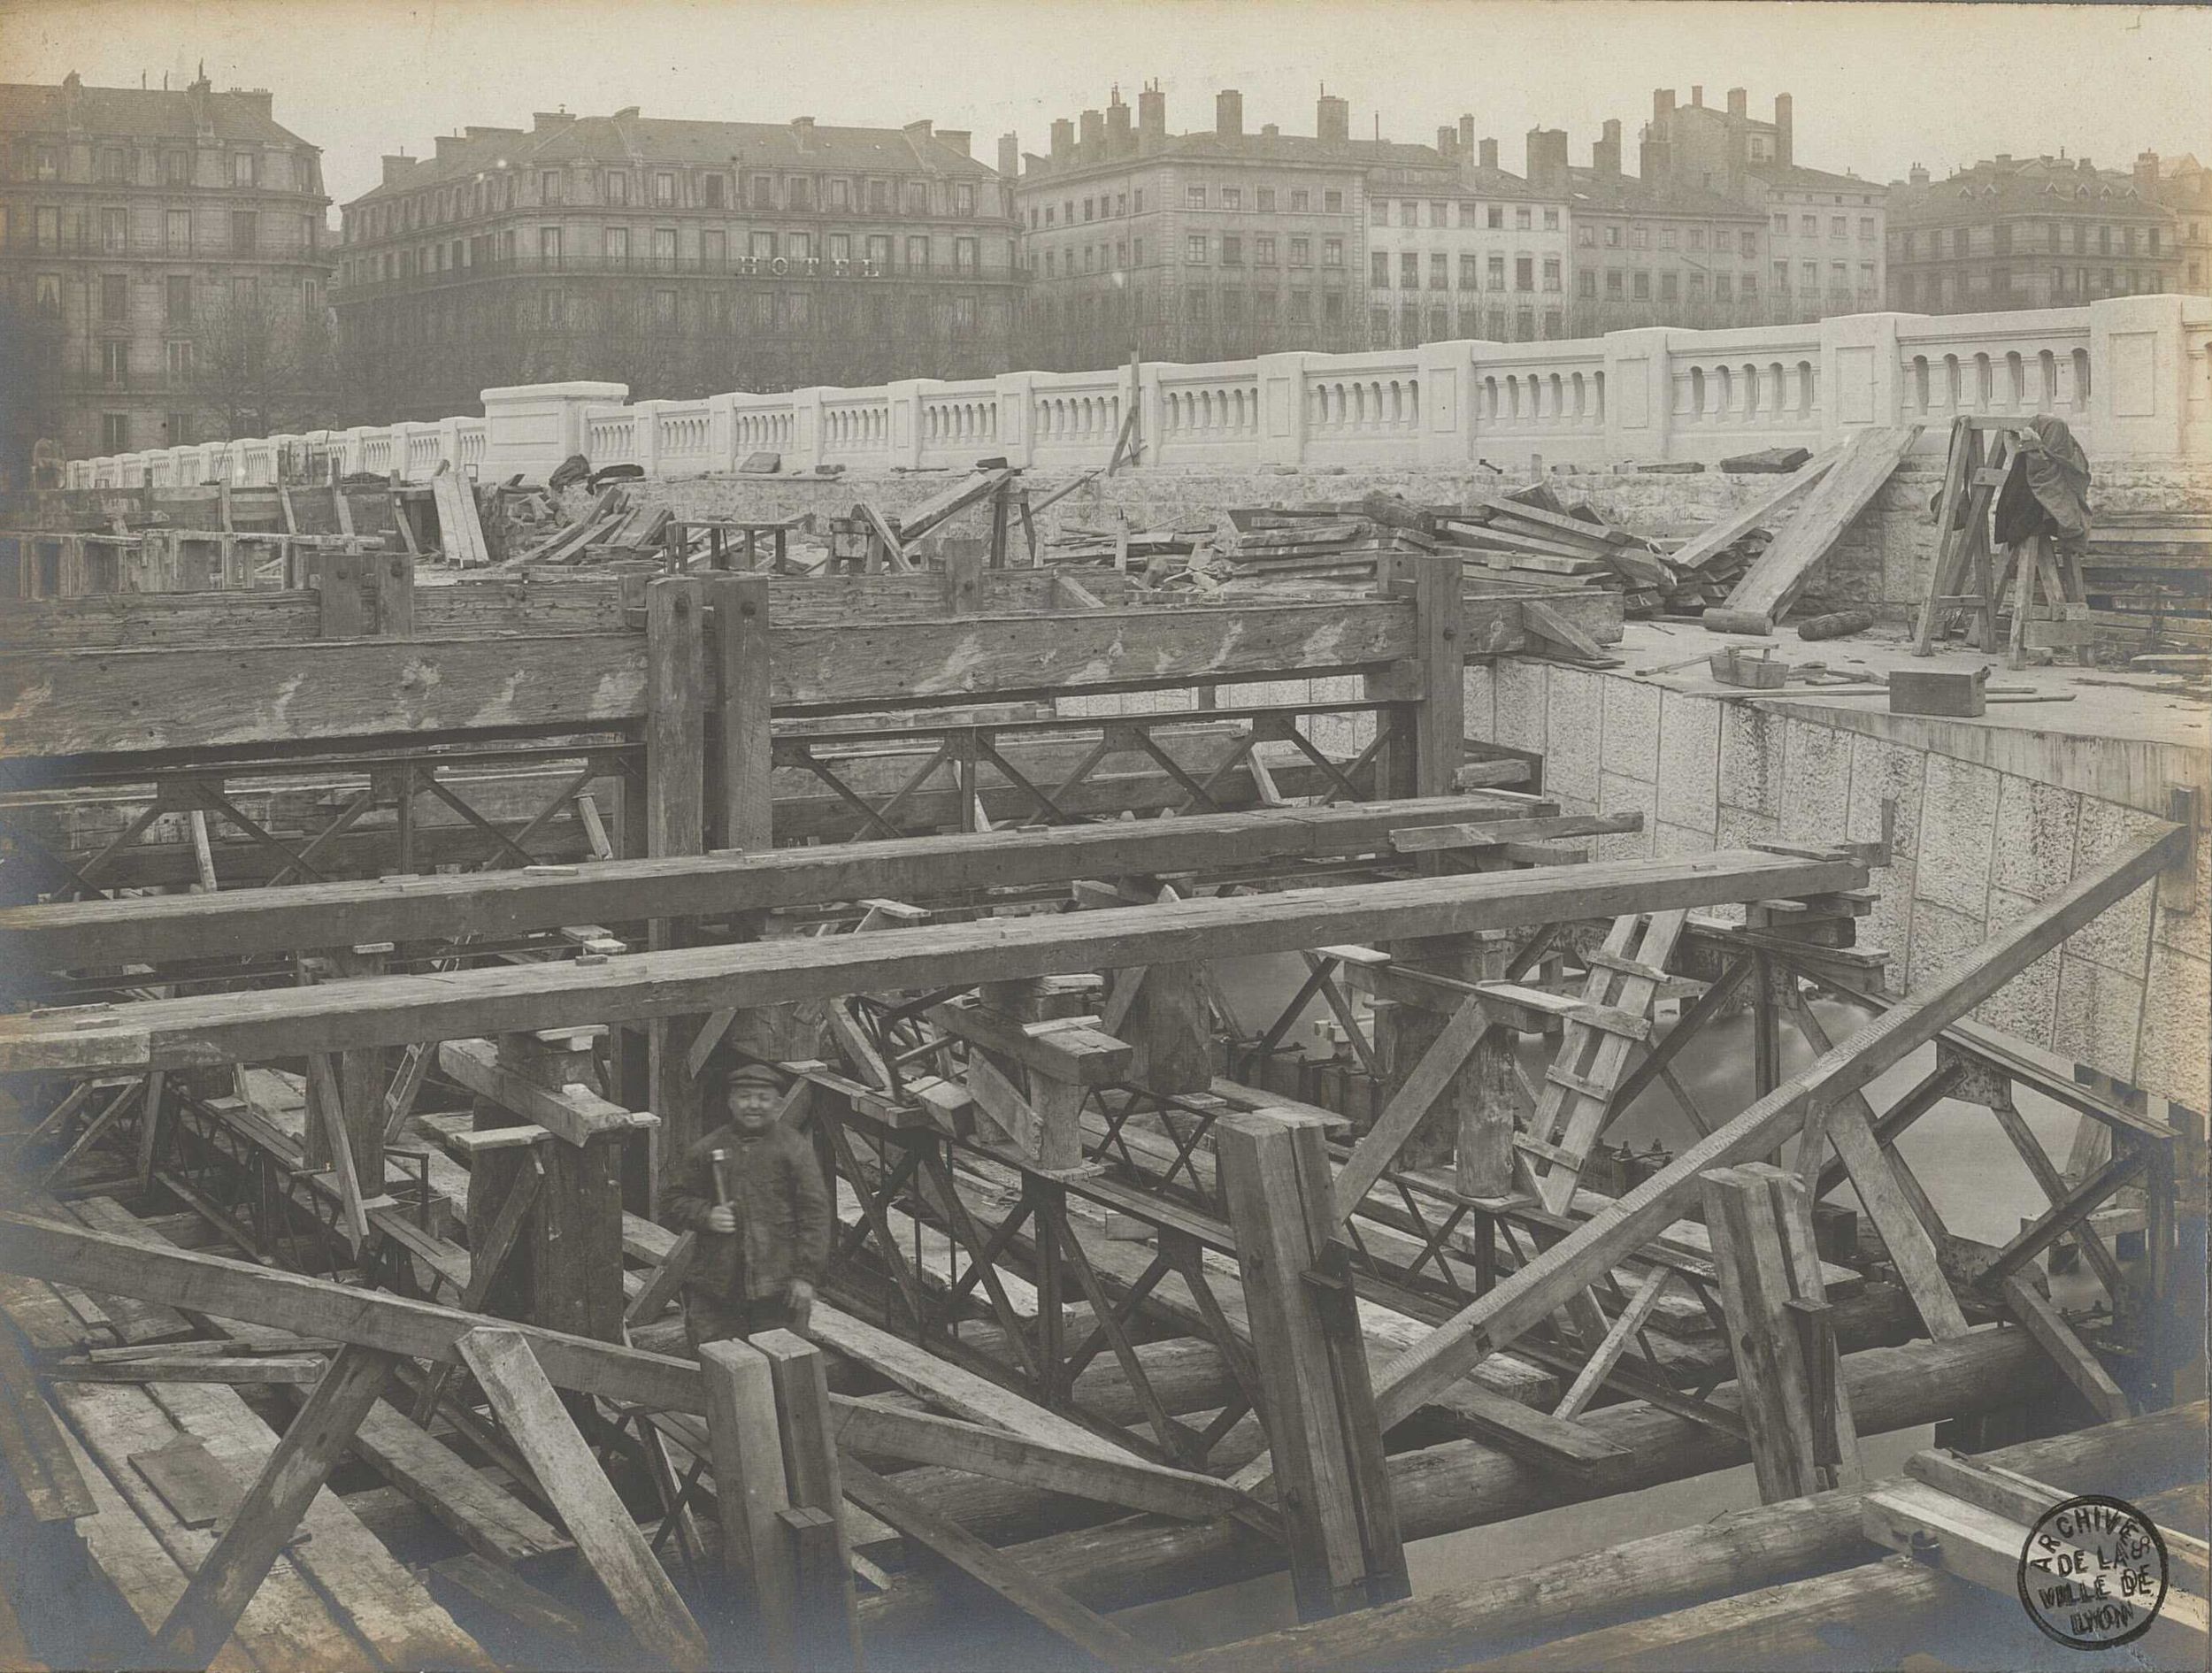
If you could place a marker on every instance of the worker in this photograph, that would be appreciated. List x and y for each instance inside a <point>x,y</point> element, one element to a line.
<point>752,1191</point>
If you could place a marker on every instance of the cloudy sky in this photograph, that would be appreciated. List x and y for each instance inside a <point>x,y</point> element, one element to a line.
<point>1877,87</point>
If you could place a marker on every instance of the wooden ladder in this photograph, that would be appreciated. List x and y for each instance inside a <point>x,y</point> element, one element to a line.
<point>1578,1090</point>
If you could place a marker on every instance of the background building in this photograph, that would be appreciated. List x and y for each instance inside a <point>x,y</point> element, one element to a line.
<point>162,269</point>
<point>2037,232</point>
<point>1194,246</point>
<point>1825,233</point>
<point>680,257</point>
<point>1458,248</point>
<point>1649,249</point>
<point>2185,187</point>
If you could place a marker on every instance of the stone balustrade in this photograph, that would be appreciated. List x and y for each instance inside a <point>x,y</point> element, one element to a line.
<point>2131,374</point>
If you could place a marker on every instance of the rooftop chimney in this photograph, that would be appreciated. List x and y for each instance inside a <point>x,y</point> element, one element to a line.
<point>1332,118</point>
<point>1784,129</point>
<point>1447,141</point>
<point>1547,158</point>
<point>1662,104</point>
<point>1152,113</point>
<point>1466,136</point>
<point>1605,156</point>
<point>1697,95</point>
<point>476,132</point>
<point>1120,137</point>
<point>1738,102</point>
<point>1656,161</point>
<point>2146,169</point>
<point>920,131</point>
<point>802,132</point>
<point>2005,158</point>
<point>956,138</point>
<point>1229,112</point>
<point>1063,141</point>
<point>1487,153</point>
<point>448,143</point>
<point>1918,176</point>
<point>1271,131</point>
<point>397,168</point>
<point>540,120</point>
<point>1009,154</point>
<point>1090,145</point>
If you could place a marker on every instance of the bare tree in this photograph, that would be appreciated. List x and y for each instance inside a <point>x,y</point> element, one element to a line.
<point>262,367</point>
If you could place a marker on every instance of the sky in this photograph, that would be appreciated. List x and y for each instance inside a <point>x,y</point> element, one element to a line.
<point>1877,87</point>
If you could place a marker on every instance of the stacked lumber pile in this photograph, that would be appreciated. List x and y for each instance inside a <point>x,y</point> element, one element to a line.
<point>609,529</point>
<point>1532,535</point>
<point>2148,576</point>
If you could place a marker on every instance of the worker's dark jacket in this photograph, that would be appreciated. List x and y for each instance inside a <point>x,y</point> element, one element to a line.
<point>783,1214</point>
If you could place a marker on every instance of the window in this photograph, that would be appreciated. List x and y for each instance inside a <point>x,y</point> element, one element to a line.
<point>1332,308</point>
<point>1195,248</point>
<point>1233,197</point>
<point>1641,287</point>
<point>1301,200</point>
<point>1866,230</point>
<point>1378,212</point>
<point>47,220</point>
<point>114,298</point>
<point>241,230</point>
<point>1724,287</point>
<point>1612,238</point>
<point>1301,252</point>
<point>1523,272</point>
<point>1751,287</point>
<point>1332,203</point>
<point>1231,249</point>
<point>1136,251</point>
<point>1264,251</point>
<point>918,198</point>
<point>1586,284</point>
<point>49,299</point>
<point>179,357</point>
<point>550,185</point>
<point>1409,270</point>
<point>1136,201</point>
<point>1613,282</point>
<point>763,247</point>
<point>1196,303</point>
<point>180,426</point>
<point>1551,273</point>
<point>178,288</point>
<point>1521,218</point>
<point>1379,269</point>
<point>1640,238</point>
<point>1838,225</point>
<point>1194,197</point>
<point>115,432</point>
<point>1669,286</point>
<point>1782,277</point>
<point>664,247</point>
<point>114,230</point>
<point>115,362</point>
<point>917,254</point>
<point>1809,271</point>
<point>1808,225</point>
<point>242,168</point>
<point>1697,285</point>
<point>713,187</point>
<point>177,168</point>
<point>1866,275</point>
<point>1301,308</point>
<point>1333,252</point>
<point>1838,275</point>
<point>1470,272</point>
<point>618,246</point>
<point>1468,211</point>
<point>1496,270</point>
<point>966,255</point>
<point>1697,238</point>
<point>963,203</point>
<point>1265,196</point>
<point>1551,220</point>
<point>879,195</point>
<point>550,246</point>
<point>1781,222</point>
<point>617,187</point>
<point>878,251</point>
<point>1586,237</point>
<point>1495,217</point>
<point>714,248</point>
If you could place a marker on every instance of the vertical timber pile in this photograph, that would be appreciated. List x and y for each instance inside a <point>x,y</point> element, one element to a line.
<point>1325,1443</point>
<point>675,821</point>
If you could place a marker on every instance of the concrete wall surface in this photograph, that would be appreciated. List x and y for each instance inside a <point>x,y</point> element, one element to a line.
<point>2131,374</point>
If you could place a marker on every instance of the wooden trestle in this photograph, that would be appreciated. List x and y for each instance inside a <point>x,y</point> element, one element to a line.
<point>472,903</point>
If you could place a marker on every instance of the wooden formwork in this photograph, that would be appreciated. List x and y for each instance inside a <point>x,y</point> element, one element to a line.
<point>1091,1296</point>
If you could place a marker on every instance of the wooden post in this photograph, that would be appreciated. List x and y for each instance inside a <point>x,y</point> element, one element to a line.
<point>1343,1528</point>
<point>675,762</point>
<point>963,577</point>
<point>1489,1100</point>
<point>1441,725</point>
<point>828,1633</point>
<point>742,801</point>
<point>311,1446</point>
<point>750,1486</point>
<point>1802,1439</point>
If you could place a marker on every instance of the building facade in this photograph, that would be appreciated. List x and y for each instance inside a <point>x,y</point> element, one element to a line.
<point>1459,248</point>
<point>680,257</point>
<point>163,269</point>
<point>1649,250</point>
<point>1826,248</point>
<point>2037,232</point>
<point>2185,187</point>
<point>1193,247</point>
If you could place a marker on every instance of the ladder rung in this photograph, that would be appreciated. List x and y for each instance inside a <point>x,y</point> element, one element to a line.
<point>1582,1083</point>
<point>1558,1153</point>
<point>1603,960</point>
<point>1610,1019</point>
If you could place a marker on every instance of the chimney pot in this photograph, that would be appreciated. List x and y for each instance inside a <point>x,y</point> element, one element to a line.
<point>1784,129</point>
<point>1466,135</point>
<point>1063,139</point>
<point>1488,152</point>
<point>1271,131</point>
<point>1446,140</point>
<point>1738,102</point>
<point>1661,102</point>
<point>1010,156</point>
<point>1152,112</point>
<point>1332,119</point>
<point>1229,112</point>
<point>1697,95</point>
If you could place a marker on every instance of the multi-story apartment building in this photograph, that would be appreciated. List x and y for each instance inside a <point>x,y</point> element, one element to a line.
<point>1197,246</point>
<point>2185,187</point>
<point>2037,232</point>
<point>162,268</point>
<point>1650,250</point>
<point>1825,246</point>
<point>1458,248</point>
<point>680,257</point>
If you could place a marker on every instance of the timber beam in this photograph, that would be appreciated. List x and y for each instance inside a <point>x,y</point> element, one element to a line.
<point>391,1010</point>
<point>494,903</point>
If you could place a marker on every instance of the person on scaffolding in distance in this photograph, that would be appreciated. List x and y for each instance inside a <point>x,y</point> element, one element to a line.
<point>752,1191</point>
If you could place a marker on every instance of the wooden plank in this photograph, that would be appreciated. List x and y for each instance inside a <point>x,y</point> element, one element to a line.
<point>608,1540</point>
<point>572,1112</point>
<point>1076,1052</point>
<point>199,1491</point>
<point>1623,1329</point>
<point>301,1368</point>
<point>1539,1288</point>
<point>494,903</point>
<point>2044,1321</point>
<point>31,1443</point>
<point>519,1601</point>
<point>661,1285</point>
<point>1755,1290</point>
<point>1550,1442</point>
<point>1041,1600</point>
<point>493,1522</point>
<point>828,1635</point>
<point>744,653</point>
<point>377,1010</point>
<point>265,1518</point>
<point>1716,538</point>
<point>1438,1066</point>
<point>1868,458</point>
